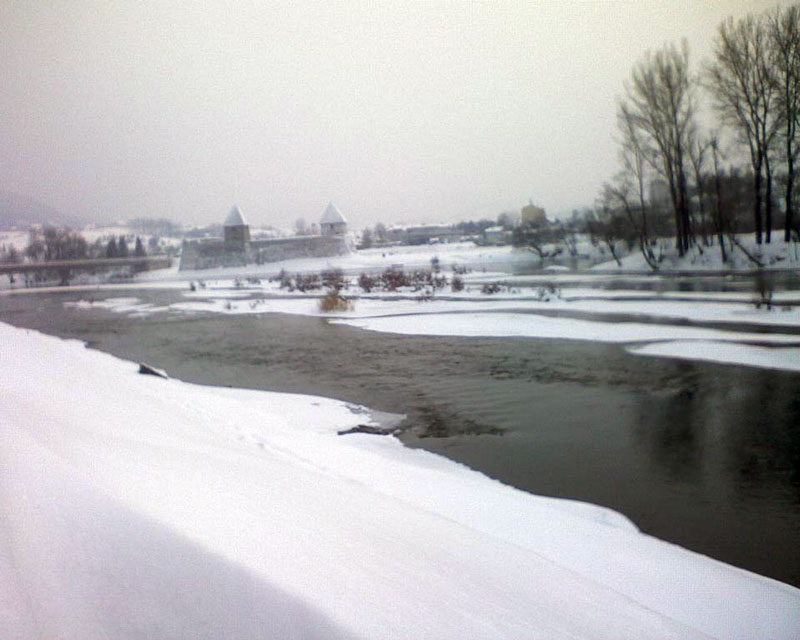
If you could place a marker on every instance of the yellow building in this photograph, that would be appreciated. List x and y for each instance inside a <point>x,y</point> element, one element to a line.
<point>533,216</point>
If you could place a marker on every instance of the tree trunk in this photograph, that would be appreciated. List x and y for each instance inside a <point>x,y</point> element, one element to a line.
<point>787,233</point>
<point>702,209</point>
<point>768,198</point>
<point>686,225</point>
<point>676,208</point>
<point>757,194</point>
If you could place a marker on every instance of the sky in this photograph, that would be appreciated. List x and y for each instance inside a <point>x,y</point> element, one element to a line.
<point>397,112</point>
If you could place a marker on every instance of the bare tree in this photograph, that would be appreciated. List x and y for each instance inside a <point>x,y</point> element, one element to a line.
<point>607,225</point>
<point>620,195</point>
<point>544,242</point>
<point>633,154</point>
<point>660,106</point>
<point>366,238</point>
<point>718,215</point>
<point>569,238</point>
<point>381,234</point>
<point>745,92</point>
<point>784,32</point>
<point>698,149</point>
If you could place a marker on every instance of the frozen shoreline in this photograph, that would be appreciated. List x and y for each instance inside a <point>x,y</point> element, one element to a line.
<point>349,520</point>
<point>670,322</point>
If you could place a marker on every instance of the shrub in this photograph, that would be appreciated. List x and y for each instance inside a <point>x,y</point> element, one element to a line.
<point>394,278</point>
<point>367,283</point>
<point>457,284</point>
<point>333,301</point>
<point>333,278</point>
<point>548,293</point>
<point>307,283</point>
<point>421,279</point>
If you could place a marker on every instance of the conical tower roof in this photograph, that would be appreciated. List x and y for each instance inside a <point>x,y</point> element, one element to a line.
<point>235,218</point>
<point>331,215</point>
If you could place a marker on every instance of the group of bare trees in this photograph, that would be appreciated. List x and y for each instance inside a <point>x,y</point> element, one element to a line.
<point>753,82</point>
<point>371,237</point>
<point>50,244</point>
<point>53,244</point>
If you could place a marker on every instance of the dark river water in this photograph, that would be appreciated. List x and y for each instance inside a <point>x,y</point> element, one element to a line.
<point>703,455</point>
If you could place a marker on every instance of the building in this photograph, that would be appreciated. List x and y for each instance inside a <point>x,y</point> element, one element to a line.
<point>423,233</point>
<point>332,222</point>
<point>237,232</point>
<point>533,216</point>
<point>237,248</point>
<point>496,235</point>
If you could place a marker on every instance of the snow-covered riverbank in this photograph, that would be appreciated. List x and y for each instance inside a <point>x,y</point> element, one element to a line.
<point>135,506</point>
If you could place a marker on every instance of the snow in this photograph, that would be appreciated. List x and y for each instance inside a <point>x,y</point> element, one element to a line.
<point>129,305</point>
<point>717,307</point>
<point>649,317</point>
<point>332,215</point>
<point>17,239</point>
<point>411,257</point>
<point>538,326</point>
<point>234,218</point>
<point>775,255</point>
<point>134,506</point>
<point>742,354</point>
<point>726,309</point>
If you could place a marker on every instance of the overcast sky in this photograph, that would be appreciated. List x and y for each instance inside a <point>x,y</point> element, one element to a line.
<point>400,112</point>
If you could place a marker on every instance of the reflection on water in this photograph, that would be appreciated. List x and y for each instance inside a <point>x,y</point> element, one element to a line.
<point>763,436</point>
<point>672,430</point>
<point>704,455</point>
<point>728,445</point>
<point>749,421</point>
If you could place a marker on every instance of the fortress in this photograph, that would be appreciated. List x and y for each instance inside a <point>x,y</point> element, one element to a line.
<point>237,249</point>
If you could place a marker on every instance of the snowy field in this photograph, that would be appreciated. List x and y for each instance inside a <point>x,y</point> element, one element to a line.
<point>16,239</point>
<point>135,506</point>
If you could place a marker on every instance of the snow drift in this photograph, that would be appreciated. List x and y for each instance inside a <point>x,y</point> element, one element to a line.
<point>133,506</point>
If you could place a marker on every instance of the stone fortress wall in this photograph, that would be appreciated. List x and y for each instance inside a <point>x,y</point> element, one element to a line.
<point>237,249</point>
<point>277,249</point>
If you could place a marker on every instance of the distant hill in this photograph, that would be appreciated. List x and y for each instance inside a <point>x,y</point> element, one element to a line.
<point>19,212</point>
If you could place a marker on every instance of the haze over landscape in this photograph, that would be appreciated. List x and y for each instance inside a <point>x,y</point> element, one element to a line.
<point>413,320</point>
<point>397,112</point>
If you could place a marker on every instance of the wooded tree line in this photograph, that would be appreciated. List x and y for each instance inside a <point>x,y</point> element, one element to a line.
<point>707,177</point>
<point>51,243</point>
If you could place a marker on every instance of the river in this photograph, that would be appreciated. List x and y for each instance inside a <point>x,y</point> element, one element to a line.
<point>703,455</point>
